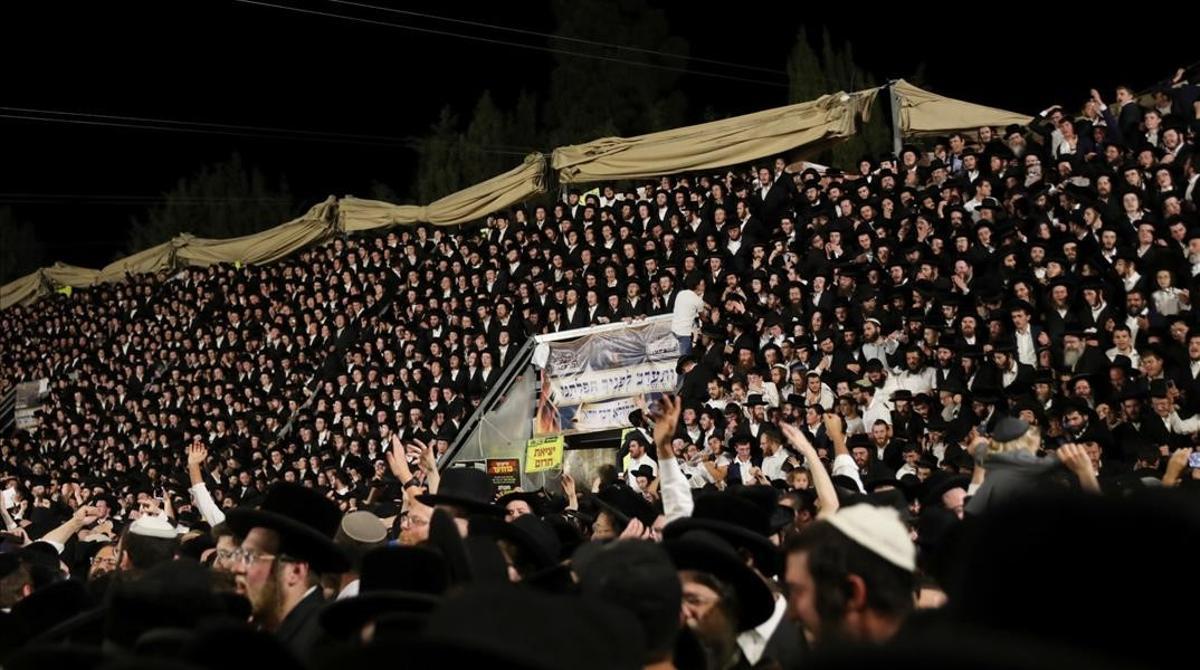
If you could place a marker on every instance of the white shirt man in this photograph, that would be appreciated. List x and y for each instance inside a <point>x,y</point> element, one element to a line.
<point>772,465</point>
<point>878,410</point>
<point>697,475</point>
<point>687,308</point>
<point>632,465</point>
<point>1026,349</point>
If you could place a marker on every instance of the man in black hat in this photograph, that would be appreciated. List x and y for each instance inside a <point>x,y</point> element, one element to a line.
<point>722,596</point>
<point>287,544</point>
<point>1079,357</point>
<point>1007,372</point>
<point>694,378</point>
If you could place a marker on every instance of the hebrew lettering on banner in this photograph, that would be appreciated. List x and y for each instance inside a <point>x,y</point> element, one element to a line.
<point>603,385</point>
<point>593,382</point>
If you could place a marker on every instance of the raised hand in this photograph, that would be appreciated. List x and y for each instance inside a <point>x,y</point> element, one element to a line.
<point>428,460</point>
<point>636,530</point>
<point>797,438</point>
<point>1076,459</point>
<point>86,515</point>
<point>197,454</point>
<point>665,422</point>
<point>833,425</point>
<point>397,460</point>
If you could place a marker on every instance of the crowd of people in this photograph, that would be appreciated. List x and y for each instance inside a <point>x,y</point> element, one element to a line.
<point>909,392</point>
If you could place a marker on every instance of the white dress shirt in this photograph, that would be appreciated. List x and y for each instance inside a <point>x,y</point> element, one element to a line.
<point>754,641</point>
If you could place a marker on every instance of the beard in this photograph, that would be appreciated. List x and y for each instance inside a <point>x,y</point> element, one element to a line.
<point>1071,356</point>
<point>266,604</point>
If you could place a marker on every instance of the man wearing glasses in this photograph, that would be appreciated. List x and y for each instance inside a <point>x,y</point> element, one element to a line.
<point>287,546</point>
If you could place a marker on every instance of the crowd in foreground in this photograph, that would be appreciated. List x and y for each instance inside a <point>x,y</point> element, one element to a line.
<point>916,398</point>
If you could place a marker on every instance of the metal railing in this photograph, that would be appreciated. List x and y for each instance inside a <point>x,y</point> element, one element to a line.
<point>8,411</point>
<point>491,399</point>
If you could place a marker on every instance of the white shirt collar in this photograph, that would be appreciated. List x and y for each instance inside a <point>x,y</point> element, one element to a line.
<point>349,591</point>
<point>754,641</point>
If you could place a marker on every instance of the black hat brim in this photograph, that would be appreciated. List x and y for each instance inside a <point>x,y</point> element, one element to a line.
<point>343,617</point>
<point>303,541</point>
<point>499,529</point>
<point>435,499</point>
<point>766,554</point>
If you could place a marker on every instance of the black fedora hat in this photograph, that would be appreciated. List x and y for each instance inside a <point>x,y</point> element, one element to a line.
<point>43,609</point>
<point>406,580</point>
<point>535,500</point>
<point>305,520</point>
<point>626,504</point>
<point>468,488</point>
<point>735,519</point>
<point>938,484</point>
<point>534,538</point>
<point>684,360</point>
<point>703,551</point>
<point>766,498</point>
<point>498,626</point>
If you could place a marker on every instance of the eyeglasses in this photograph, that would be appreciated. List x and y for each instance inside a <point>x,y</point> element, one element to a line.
<point>410,521</point>
<point>249,557</point>
<point>696,600</point>
<point>109,562</point>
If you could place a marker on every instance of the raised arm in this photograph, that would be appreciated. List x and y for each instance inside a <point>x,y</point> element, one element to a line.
<point>1076,459</point>
<point>674,489</point>
<point>428,463</point>
<point>82,518</point>
<point>826,494</point>
<point>197,455</point>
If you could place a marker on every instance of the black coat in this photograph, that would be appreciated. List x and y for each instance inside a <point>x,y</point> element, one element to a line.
<point>301,629</point>
<point>577,320</point>
<point>694,387</point>
<point>772,208</point>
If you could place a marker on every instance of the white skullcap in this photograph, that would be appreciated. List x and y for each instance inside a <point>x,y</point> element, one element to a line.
<point>880,531</point>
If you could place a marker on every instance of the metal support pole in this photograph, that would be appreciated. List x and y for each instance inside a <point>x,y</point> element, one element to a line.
<point>897,141</point>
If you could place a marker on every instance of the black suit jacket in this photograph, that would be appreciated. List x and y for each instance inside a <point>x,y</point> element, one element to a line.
<point>578,320</point>
<point>1093,362</point>
<point>786,645</point>
<point>773,207</point>
<point>300,629</point>
<point>694,388</point>
<point>754,231</point>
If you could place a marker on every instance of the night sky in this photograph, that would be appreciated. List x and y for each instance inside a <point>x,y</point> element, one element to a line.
<point>230,63</point>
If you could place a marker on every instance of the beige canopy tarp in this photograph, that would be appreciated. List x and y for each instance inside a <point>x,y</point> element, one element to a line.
<point>265,247</point>
<point>22,290</point>
<point>469,204</point>
<point>925,113</point>
<point>716,144</point>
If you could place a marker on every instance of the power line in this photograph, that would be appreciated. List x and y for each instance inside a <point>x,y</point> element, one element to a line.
<point>114,196</point>
<point>170,125</point>
<point>125,200</point>
<point>66,202</point>
<point>519,45</point>
<point>577,40</point>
